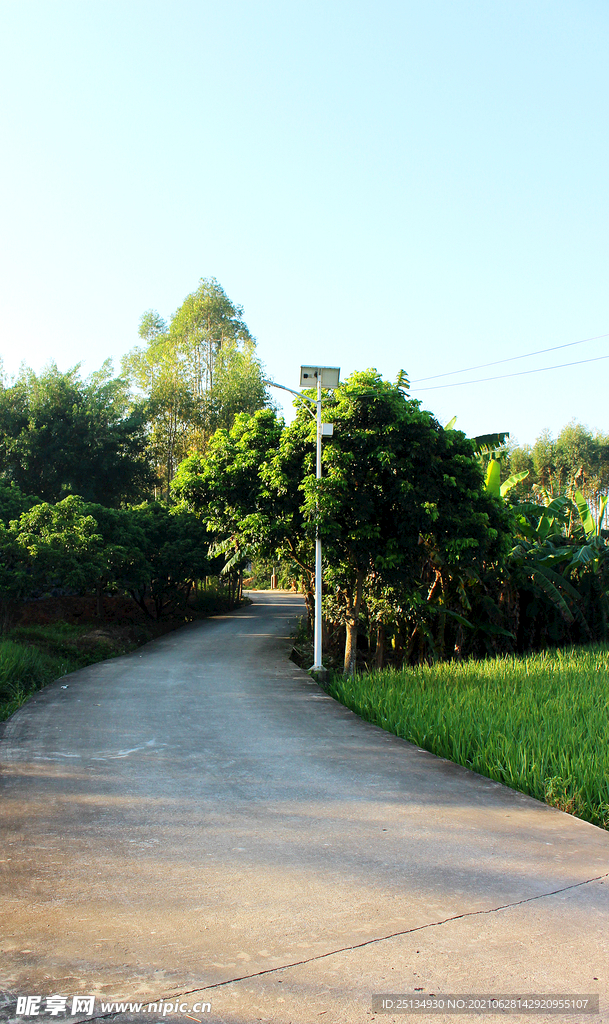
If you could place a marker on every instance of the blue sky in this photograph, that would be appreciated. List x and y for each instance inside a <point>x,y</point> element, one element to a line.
<point>389,184</point>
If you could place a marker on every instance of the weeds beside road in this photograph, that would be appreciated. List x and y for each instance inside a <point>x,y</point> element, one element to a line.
<point>539,724</point>
<point>33,656</point>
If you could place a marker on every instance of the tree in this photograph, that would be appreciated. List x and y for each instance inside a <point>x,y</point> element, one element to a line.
<point>62,544</point>
<point>519,459</point>
<point>60,435</point>
<point>174,553</point>
<point>13,502</point>
<point>150,551</point>
<point>205,325</point>
<point>395,486</point>
<point>544,462</point>
<point>238,387</point>
<point>198,373</point>
<point>121,559</point>
<point>225,488</point>
<point>576,460</point>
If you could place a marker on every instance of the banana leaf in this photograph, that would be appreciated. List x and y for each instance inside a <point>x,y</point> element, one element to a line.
<point>459,618</point>
<point>485,443</point>
<point>544,526</point>
<point>585,514</point>
<point>584,555</point>
<point>402,382</point>
<point>591,553</point>
<point>601,512</point>
<point>490,627</point>
<point>493,478</point>
<point>540,578</point>
<point>511,481</point>
<point>559,506</point>
<point>559,580</point>
<point>439,609</point>
<point>526,529</point>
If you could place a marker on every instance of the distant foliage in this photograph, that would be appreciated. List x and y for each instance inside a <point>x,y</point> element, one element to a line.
<point>13,502</point>
<point>576,460</point>
<point>60,435</point>
<point>198,373</point>
<point>81,459</point>
<point>436,546</point>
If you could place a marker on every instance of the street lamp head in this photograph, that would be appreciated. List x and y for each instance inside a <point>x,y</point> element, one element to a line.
<point>329,376</point>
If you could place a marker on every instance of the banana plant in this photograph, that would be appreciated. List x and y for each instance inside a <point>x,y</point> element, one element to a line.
<point>541,562</point>
<point>541,522</point>
<point>595,551</point>
<point>493,445</point>
<point>592,527</point>
<point>493,479</point>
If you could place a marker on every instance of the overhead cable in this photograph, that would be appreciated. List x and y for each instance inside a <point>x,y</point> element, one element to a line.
<point>504,376</point>
<point>510,359</point>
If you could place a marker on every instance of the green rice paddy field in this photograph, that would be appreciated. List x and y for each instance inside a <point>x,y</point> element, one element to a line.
<point>539,724</point>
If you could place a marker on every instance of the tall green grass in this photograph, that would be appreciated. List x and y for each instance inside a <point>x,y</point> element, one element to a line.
<point>212,600</point>
<point>25,669</point>
<point>32,656</point>
<point>539,724</point>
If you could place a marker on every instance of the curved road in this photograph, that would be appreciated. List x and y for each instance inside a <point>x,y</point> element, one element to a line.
<point>200,819</point>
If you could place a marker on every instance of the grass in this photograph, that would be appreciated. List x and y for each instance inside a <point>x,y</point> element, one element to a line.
<point>210,601</point>
<point>539,724</point>
<point>33,656</point>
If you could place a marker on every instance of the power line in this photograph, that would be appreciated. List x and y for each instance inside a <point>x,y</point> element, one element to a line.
<point>503,376</point>
<point>509,359</point>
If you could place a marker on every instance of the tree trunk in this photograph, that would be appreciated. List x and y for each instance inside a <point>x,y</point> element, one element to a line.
<point>141,601</point>
<point>309,596</point>
<point>379,654</point>
<point>399,644</point>
<point>351,622</point>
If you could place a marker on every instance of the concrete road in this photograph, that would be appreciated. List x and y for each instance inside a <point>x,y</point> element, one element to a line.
<point>199,822</point>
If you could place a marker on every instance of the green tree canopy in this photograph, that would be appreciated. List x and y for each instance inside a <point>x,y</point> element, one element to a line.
<point>60,435</point>
<point>225,486</point>
<point>198,372</point>
<point>577,460</point>
<point>395,485</point>
<point>13,502</point>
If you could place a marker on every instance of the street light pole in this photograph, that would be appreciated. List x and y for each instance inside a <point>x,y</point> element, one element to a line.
<point>317,667</point>
<point>325,377</point>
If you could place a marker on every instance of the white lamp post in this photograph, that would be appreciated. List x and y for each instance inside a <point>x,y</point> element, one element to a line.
<point>321,377</point>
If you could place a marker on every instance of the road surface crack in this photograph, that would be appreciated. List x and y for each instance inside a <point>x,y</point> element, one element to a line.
<point>359,945</point>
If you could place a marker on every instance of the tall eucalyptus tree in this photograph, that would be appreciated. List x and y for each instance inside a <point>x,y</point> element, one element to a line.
<point>198,372</point>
